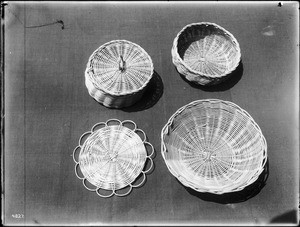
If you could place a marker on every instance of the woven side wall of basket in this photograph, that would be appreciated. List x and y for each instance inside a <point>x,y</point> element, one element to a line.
<point>117,73</point>
<point>213,146</point>
<point>112,157</point>
<point>109,100</point>
<point>205,53</point>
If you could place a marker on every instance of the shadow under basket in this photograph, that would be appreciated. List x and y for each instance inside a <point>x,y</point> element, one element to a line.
<point>235,197</point>
<point>205,53</point>
<point>213,146</point>
<point>118,73</point>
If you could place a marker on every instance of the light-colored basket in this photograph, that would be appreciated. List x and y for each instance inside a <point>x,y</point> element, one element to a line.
<point>205,53</point>
<point>213,146</point>
<point>112,156</point>
<point>117,73</point>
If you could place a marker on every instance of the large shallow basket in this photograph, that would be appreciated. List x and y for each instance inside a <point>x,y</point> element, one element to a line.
<point>117,73</point>
<point>205,53</point>
<point>113,158</point>
<point>213,146</point>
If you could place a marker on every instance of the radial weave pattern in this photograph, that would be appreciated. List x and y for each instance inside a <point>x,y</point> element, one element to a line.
<point>205,53</point>
<point>214,146</point>
<point>112,157</point>
<point>117,72</point>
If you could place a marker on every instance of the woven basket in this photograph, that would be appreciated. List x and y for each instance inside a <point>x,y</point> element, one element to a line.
<point>117,73</point>
<point>205,53</point>
<point>213,146</point>
<point>112,157</point>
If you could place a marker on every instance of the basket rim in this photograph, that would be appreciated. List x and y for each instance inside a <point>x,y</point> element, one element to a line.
<point>175,50</point>
<point>165,130</point>
<point>89,69</point>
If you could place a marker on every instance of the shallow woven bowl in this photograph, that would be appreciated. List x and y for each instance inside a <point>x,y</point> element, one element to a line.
<point>213,146</point>
<point>111,157</point>
<point>117,73</point>
<point>205,53</point>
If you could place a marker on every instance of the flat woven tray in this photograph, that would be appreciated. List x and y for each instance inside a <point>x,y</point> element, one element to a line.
<point>213,146</point>
<point>117,73</point>
<point>111,158</point>
<point>205,53</point>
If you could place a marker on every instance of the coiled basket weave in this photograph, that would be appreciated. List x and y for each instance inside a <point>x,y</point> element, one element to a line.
<point>112,158</point>
<point>213,146</point>
<point>117,73</point>
<point>205,53</point>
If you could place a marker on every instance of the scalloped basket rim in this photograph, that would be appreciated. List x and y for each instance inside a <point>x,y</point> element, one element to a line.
<point>121,123</point>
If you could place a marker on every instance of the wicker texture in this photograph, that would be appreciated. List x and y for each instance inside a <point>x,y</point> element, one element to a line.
<point>205,53</point>
<point>213,146</point>
<point>112,157</point>
<point>117,73</point>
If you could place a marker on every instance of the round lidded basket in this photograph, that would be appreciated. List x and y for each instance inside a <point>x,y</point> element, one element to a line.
<point>113,158</point>
<point>205,53</point>
<point>213,146</point>
<point>117,73</point>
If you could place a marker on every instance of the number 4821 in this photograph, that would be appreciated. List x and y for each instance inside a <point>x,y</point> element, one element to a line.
<point>17,215</point>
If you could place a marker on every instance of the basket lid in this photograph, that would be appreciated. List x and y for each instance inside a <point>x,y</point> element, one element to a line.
<point>120,67</point>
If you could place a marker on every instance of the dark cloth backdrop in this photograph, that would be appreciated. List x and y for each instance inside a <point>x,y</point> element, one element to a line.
<point>47,109</point>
